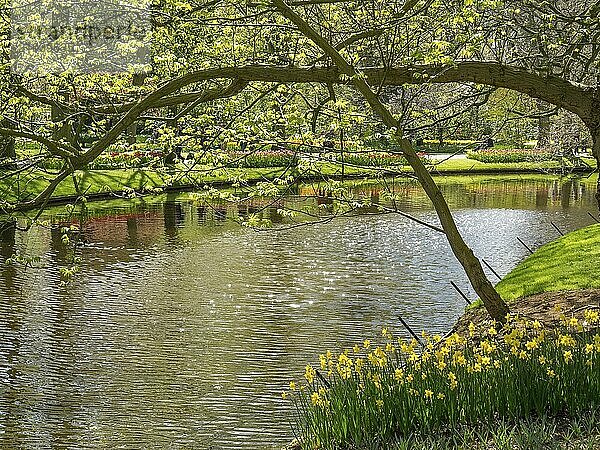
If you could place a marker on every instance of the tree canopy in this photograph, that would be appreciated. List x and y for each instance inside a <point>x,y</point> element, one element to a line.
<point>269,71</point>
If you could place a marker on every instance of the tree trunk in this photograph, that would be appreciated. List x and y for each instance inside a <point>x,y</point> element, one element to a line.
<point>593,125</point>
<point>495,306</point>
<point>132,131</point>
<point>596,153</point>
<point>7,143</point>
<point>63,128</point>
<point>544,128</point>
<point>492,301</point>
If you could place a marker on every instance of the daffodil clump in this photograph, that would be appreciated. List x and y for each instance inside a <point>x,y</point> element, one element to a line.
<point>375,393</point>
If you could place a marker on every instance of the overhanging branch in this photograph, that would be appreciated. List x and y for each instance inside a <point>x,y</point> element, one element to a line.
<point>552,89</point>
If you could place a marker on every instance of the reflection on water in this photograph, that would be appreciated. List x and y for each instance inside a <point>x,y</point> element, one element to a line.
<point>182,328</point>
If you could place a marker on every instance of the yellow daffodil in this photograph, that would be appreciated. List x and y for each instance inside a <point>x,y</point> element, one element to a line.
<point>566,340</point>
<point>358,364</point>
<point>314,398</point>
<point>309,373</point>
<point>591,317</point>
<point>589,348</point>
<point>398,374</point>
<point>323,362</point>
<point>452,379</point>
<point>471,329</point>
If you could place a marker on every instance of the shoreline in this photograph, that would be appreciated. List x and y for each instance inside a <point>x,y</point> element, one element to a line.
<point>120,194</point>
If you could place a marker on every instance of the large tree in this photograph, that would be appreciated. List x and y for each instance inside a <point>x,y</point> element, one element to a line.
<point>218,59</point>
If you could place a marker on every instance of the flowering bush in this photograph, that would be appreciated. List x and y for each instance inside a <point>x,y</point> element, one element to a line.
<point>263,158</point>
<point>373,393</point>
<point>119,160</point>
<point>374,159</point>
<point>509,155</point>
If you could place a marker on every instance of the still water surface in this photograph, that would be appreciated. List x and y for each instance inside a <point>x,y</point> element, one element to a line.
<point>182,329</point>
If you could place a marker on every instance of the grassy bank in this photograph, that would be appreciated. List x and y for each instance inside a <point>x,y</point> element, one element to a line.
<point>569,263</point>
<point>470,165</point>
<point>117,180</point>
<point>96,182</point>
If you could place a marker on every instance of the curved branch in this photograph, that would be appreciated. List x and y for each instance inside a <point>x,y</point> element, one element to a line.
<point>552,89</point>
<point>55,148</point>
<point>148,102</point>
<point>151,101</point>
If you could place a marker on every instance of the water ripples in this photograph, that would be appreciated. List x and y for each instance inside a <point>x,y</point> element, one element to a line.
<point>184,336</point>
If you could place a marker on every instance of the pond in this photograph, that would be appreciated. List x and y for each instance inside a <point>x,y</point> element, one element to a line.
<point>183,328</point>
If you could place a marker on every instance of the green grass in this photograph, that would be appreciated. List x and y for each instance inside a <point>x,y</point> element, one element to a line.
<point>477,166</point>
<point>116,180</point>
<point>467,166</point>
<point>569,263</point>
<point>509,155</point>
